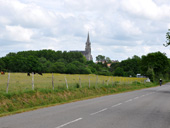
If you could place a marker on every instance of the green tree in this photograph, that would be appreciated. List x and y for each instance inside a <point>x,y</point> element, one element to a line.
<point>119,72</point>
<point>150,74</point>
<point>58,67</point>
<point>108,60</point>
<point>100,58</point>
<point>71,68</point>
<point>167,38</point>
<point>33,64</point>
<point>157,61</point>
<point>2,65</point>
<point>130,66</point>
<point>47,67</point>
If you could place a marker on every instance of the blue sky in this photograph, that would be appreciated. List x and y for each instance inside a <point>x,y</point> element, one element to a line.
<point>118,28</point>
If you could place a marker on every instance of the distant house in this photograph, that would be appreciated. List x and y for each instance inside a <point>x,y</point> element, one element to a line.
<point>108,65</point>
<point>114,61</point>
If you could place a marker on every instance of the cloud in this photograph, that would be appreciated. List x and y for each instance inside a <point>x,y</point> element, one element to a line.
<point>146,9</point>
<point>130,28</point>
<point>18,33</point>
<point>118,29</point>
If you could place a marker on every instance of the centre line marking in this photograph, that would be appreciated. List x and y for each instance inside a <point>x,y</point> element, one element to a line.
<point>142,96</point>
<point>117,105</point>
<point>136,98</point>
<point>128,100</point>
<point>69,123</point>
<point>98,111</point>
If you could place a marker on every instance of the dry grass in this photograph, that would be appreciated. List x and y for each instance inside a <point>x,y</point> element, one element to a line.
<point>22,82</point>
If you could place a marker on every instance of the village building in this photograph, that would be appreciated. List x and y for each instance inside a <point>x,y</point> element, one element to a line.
<point>87,52</point>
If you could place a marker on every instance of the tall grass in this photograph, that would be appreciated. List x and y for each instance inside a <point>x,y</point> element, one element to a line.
<point>22,97</point>
<point>21,82</point>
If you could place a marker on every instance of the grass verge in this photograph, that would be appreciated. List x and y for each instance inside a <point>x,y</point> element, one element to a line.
<point>18,102</point>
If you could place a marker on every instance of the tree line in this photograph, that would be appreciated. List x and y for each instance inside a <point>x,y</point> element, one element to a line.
<point>153,65</point>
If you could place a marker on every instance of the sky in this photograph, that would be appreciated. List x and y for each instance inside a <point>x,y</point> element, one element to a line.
<point>118,29</point>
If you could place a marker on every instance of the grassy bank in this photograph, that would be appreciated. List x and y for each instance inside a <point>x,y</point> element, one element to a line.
<point>15,102</point>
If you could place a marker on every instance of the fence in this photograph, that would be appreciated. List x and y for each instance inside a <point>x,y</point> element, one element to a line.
<point>14,82</point>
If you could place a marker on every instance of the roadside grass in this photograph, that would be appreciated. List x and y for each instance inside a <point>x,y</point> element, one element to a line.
<point>24,100</point>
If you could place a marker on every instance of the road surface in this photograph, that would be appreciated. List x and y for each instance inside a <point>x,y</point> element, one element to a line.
<point>146,108</point>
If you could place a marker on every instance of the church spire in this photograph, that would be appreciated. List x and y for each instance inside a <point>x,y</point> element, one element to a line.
<point>88,45</point>
<point>88,49</point>
<point>88,39</point>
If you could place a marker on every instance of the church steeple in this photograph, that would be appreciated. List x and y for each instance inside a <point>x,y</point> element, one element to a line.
<point>88,39</point>
<point>88,44</point>
<point>87,52</point>
<point>88,49</point>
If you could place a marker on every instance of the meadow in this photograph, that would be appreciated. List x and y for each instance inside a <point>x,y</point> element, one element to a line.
<point>21,82</point>
<point>51,89</point>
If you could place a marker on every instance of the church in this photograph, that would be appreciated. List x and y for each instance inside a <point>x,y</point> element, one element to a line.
<point>87,52</point>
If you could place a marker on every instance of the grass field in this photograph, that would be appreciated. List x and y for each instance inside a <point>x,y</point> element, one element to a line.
<point>21,97</point>
<point>22,82</point>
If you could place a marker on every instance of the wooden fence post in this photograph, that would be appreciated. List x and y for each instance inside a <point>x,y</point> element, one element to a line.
<point>32,81</point>
<point>8,83</point>
<point>53,81</point>
<point>112,80</point>
<point>96,80</point>
<point>80,81</point>
<point>108,81</point>
<point>89,81</point>
<point>66,82</point>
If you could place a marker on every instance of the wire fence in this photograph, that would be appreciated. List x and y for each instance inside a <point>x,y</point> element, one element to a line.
<point>14,82</point>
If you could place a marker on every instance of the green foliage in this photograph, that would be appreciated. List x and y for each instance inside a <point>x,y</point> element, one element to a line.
<point>44,61</point>
<point>58,67</point>
<point>2,65</point>
<point>167,38</point>
<point>71,68</point>
<point>154,65</point>
<point>48,61</point>
<point>131,66</point>
<point>150,74</point>
<point>100,58</point>
<point>157,61</point>
<point>77,67</point>
<point>119,71</point>
<point>108,60</point>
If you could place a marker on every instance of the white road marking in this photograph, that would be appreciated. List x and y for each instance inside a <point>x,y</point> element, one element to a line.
<point>142,96</point>
<point>128,101</point>
<point>152,93</point>
<point>117,105</point>
<point>69,123</point>
<point>136,98</point>
<point>98,111</point>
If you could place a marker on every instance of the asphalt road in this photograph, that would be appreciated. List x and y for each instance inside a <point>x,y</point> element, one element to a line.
<point>147,108</point>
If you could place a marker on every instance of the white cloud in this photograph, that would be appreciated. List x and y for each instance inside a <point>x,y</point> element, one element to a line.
<point>146,8</point>
<point>130,28</point>
<point>118,29</point>
<point>17,33</point>
<point>168,26</point>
